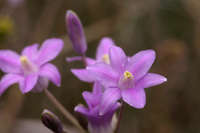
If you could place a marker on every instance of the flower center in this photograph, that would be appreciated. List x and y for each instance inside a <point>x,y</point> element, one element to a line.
<point>105,59</point>
<point>128,75</point>
<point>27,65</point>
<point>126,80</point>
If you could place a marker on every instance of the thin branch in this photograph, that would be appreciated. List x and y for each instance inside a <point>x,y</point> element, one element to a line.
<point>120,117</point>
<point>65,112</point>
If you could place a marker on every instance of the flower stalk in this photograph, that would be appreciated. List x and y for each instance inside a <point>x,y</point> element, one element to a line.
<point>62,109</point>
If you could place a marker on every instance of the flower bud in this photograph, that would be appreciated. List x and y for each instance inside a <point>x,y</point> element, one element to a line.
<point>51,121</point>
<point>76,33</point>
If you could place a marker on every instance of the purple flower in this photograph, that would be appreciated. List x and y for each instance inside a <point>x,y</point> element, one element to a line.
<point>31,69</point>
<point>128,75</point>
<point>101,108</point>
<point>101,54</point>
<point>76,33</point>
<point>101,57</point>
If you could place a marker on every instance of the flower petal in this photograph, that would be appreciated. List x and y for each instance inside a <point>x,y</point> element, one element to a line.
<point>140,63</point>
<point>9,61</point>
<point>90,61</point>
<point>28,83</point>
<point>118,58</point>
<point>49,50</point>
<point>151,79</point>
<point>51,72</point>
<point>41,84</point>
<point>31,51</point>
<point>104,74</point>
<point>105,44</point>
<point>109,99</point>
<point>8,80</point>
<point>83,75</point>
<point>81,109</point>
<point>93,99</point>
<point>135,97</point>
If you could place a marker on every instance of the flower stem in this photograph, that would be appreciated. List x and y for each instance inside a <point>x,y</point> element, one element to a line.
<point>84,60</point>
<point>61,108</point>
<point>119,119</point>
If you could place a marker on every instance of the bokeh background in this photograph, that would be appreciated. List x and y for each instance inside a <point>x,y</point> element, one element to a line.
<point>171,27</point>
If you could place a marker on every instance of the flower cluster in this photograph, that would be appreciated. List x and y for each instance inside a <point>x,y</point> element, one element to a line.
<point>116,78</point>
<point>121,77</point>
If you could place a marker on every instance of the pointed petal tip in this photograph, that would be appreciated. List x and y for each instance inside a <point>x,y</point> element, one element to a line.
<point>70,12</point>
<point>79,108</point>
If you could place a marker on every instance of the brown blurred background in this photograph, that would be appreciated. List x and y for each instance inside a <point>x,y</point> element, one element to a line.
<point>171,27</point>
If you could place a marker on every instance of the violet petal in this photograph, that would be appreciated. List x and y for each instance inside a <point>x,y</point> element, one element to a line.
<point>51,72</point>
<point>135,97</point>
<point>8,80</point>
<point>81,109</point>
<point>109,98</point>
<point>49,50</point>
<point>9,61</point>
<point>118,58</point>
<point>28,83</point>
<point>104,74</point>
<point>105,44</point>
<point>151,79</point>
<point>31,51</point>
<point>90,61</point>
<point>83,75</point>
<point>140,63</point>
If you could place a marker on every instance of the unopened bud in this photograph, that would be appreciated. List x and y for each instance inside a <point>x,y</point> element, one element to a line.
<point>51,121</point>
<point>76,33</point>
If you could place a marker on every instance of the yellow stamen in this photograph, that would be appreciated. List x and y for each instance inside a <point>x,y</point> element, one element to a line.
<point>24,60</point>
<point>128,75</point>
<point>105,58</point>
<point>27,65</point>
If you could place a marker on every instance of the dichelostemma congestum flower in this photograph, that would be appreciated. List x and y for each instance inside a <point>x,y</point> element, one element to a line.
<point>102,56</point>
<point>101,107</point>
<point>128,75</point>
<point>31,69</point>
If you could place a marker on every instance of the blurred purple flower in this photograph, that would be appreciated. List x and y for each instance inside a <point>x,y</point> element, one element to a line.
<point>15,3</point>
<point>76,32</point>
<point>101,57</point>
<point>128,75</point>
<point>101,54</point>
<point>101,108</point>
<point>31,70</point>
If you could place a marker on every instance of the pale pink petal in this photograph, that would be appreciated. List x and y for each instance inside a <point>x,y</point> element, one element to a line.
<point>31,51</point>
<point>104,74</point>
<point>140,63</point>
<point>105,44</point>
<point>135,97</point>
<point>8,80</point>
<point>151,79</point>
<point>90,61</point>
<point>83,75</point>
<point>28,83</point>
<point>81,109</point>
<point>118,58</point>
<point>109,99</point>
<point>51,72</point>
<point>49,50</point>
<point>9,61</point>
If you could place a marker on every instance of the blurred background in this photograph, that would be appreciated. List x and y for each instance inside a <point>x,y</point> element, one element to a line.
<point>171,27</point>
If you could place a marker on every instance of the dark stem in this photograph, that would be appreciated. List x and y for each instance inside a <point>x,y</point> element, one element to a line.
<point>62,109</point>
<point>119,119</point>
